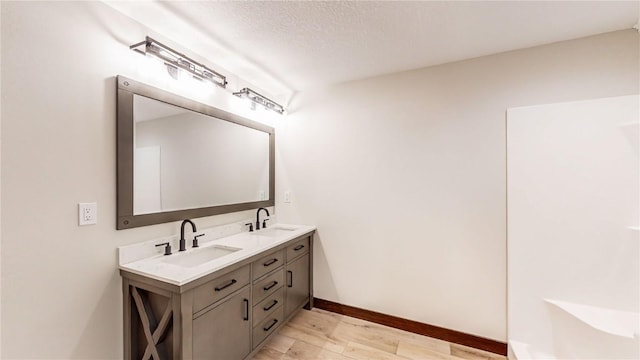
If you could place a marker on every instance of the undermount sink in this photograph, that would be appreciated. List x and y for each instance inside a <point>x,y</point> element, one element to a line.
<point>199,256</point>
<point>257,240</point>
<point>276,231</point>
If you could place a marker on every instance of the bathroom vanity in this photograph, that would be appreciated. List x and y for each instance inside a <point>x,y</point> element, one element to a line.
<point>222,300</point>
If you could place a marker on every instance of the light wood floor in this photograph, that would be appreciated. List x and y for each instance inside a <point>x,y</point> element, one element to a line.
<point>319,334</point>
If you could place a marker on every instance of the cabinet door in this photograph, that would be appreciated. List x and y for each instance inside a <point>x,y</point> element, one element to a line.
<point>224,332</point>
<point>297,280</point>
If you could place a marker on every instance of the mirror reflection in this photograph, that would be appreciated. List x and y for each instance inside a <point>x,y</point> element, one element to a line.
<point>185,160</point>
<point>181,159</point>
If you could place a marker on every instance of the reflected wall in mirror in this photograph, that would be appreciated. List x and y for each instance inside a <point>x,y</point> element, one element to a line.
<point>184,160</point>
<point>179,159</point>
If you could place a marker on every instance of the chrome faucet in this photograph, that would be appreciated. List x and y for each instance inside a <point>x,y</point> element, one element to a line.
<point>183,245</point>
<point>258,218</point>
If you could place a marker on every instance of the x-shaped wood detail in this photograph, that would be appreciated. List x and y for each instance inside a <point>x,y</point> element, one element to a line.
<point>147,317</point>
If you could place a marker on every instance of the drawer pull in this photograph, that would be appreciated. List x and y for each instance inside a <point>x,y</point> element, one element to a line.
<point>233,281</point>
<point>275,321</point>
<point>270,262</point>
<point>246,310</point>
<point>269,307</point>
<point>290,278</point>
<point>270,286</point>
<point>299,247</point>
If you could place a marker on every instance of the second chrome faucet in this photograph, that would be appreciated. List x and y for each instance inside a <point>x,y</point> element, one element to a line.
<point>264,222</point>
<point>183,242</point>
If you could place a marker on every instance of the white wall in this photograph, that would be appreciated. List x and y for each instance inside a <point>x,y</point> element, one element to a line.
<point>61,291</point>
<point>0,187</point>
<point>404,175</point>
<point>200,158</point>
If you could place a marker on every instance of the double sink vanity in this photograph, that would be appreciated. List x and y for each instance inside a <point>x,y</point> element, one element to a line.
<point>220,300</point>
<point>222,294</point>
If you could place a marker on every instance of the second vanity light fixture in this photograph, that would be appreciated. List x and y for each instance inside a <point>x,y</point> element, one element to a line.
<point>260,100</point>
<point>174,60</point>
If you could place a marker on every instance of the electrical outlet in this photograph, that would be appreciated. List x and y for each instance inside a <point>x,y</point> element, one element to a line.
<point>87,214</point>
<point>287,196</point>
<point>263,195</point>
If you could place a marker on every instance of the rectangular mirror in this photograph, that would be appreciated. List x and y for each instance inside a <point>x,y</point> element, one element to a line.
<point>178,158</point>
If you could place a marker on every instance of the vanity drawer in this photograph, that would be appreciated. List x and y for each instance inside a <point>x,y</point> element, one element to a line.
<point>267,263</point>
<point>216,289</point>
<point>268,286</point>
<point>268,306</point>
<point>298,248</point>
<point>267,326</point>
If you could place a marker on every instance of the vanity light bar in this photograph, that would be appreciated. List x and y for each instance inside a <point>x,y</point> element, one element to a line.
<point>174,59</point>
<point>260,100</point>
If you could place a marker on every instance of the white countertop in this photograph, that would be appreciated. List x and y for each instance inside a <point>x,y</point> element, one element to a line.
<point>249,243</point>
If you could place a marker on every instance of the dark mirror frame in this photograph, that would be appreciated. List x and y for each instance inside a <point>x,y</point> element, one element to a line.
<point>125,219</point>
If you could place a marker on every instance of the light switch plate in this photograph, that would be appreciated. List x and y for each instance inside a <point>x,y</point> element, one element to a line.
<point>87,214</point>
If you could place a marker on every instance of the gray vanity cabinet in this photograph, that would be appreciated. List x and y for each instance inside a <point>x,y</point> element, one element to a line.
<point>297,288</point>
<point>224,332</point>
<point>268,298</point>
<point>297,276</point>
<point>228,314</point>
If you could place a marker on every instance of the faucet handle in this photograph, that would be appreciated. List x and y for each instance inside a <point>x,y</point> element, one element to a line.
<point>250,225</point>
<point>264,223</point>
<point>167,249</point>
<point>195,240</point>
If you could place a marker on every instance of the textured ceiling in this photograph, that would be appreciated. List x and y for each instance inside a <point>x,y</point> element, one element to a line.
<point>295,45</point>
